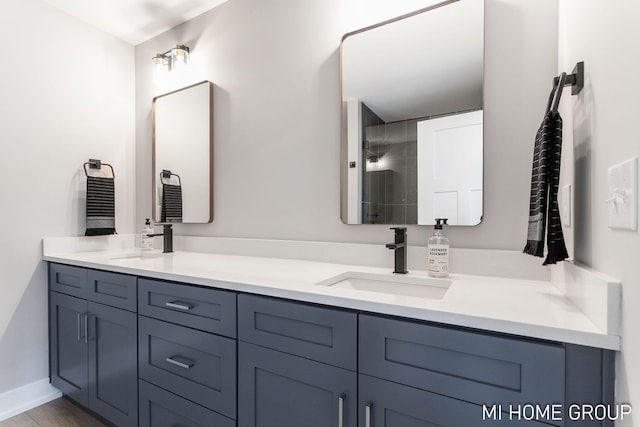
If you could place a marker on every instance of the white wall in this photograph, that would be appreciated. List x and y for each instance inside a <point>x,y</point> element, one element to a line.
<point>603,120</point>
<point>275,66</point>
<point>67,95</point>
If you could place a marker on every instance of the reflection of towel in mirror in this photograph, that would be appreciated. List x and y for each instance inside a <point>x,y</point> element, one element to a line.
<point>543,204</point>
<point>101,212</point>
<point>171,203</point>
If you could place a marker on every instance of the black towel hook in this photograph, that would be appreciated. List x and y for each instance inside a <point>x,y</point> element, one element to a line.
<point>575,79</point>
<point>559,86</point>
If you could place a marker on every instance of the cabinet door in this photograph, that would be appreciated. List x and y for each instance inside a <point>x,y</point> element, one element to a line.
<point>280,390</point>
<point>68,350</point>
<point>387,404</point>
<point>476,367</point>
<point>113,374</point>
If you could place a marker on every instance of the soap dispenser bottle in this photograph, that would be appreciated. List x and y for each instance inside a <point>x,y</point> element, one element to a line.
<point>438,251</point>
<point>147,242</point>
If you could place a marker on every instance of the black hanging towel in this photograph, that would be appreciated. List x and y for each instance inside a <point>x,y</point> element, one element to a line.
<point>544,214</point>
<point>171,197</point>
<point>101,212</point>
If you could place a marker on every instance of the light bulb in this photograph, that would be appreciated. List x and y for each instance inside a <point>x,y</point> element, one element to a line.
<point>160,68</point>
<point>179,56</point>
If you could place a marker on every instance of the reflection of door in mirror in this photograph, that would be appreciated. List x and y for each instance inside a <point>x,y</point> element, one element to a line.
<point>449,174</point>
<point>183,155</point>
<point>396,77</point>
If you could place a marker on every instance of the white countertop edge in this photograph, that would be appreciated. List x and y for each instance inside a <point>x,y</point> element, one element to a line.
<point>550,333</point>
<point>596,294</point>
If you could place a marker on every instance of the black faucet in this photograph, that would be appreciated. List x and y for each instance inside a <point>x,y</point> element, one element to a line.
<point>167,243</point>
<point>399,247</point>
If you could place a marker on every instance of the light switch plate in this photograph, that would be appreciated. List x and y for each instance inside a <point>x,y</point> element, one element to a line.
<point>565,205</point>
<point>623,195</point>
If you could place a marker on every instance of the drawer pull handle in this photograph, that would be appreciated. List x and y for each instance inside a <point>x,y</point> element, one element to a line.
<point>86,327</point>
<point>179,305</point>
<point>341,410</point>
<point>78,320</point>
<point>184,364</point>
<point>367,414</point>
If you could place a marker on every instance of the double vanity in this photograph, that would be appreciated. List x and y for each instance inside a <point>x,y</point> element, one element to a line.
<point>201,339</point>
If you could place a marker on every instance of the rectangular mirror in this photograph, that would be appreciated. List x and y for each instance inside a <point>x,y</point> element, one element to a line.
<point>412,118</point>
<point>183,155</point>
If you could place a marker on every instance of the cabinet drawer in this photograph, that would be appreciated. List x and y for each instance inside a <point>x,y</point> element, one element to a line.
<point>394,405</point>
<point>68,279</point>
<point>114,289</point>
<point>206,309</point>
<point>159,408</point>
<point>196,365</point>
<point>476,367</point>
<point>317,333</point>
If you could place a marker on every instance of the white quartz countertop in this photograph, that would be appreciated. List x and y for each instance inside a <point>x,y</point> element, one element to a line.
<point>529,308</point>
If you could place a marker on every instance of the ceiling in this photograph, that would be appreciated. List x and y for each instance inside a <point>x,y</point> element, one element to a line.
<point>134,21</point>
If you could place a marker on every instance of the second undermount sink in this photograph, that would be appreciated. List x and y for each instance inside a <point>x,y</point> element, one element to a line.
<point>137,256</point>
<point>396,284</point>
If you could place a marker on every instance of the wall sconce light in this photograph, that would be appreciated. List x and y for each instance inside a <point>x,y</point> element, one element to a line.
<point>172,59</point>
<point>375,162</point>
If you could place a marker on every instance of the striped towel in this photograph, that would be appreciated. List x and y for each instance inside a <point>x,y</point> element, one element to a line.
<point>101,211</point>
<point>543,203</point>
<point>171,203</point>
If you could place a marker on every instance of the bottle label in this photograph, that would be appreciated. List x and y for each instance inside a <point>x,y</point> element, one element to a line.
<point>438,259</point>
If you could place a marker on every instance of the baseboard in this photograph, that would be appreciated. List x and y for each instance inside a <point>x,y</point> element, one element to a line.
<point>21,399</point>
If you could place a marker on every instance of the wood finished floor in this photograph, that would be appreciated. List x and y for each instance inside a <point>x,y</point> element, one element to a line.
<point>57,413</point>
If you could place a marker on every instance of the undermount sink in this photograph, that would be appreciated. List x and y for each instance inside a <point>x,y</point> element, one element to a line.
<point>396,284</point>
<point>136,256</point>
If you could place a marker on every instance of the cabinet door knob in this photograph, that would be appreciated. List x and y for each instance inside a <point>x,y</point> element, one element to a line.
<point>341,409</point>
<point>179,305</point>
<point>367,414</point>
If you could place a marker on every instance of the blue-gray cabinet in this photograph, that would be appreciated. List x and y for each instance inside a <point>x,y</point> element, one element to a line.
<point>438,375</point>
<point>296,364</point>
<point>68,351</point>
<point>154,353</point>
<point>93,346</point>
<point>388,404</point>
<point>160,408</point>
<point>277,389</point>
<point>206,309</point>
<point>187,355</point>
<point>195,365</point>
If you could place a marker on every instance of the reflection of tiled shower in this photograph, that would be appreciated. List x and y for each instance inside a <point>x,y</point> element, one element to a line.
<point>389,191</point>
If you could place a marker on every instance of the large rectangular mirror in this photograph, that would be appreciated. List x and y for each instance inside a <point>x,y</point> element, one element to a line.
<point>412,118</point>
<point>183,155</point>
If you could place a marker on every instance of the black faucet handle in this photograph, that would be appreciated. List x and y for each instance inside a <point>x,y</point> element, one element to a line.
<point>400,234</point>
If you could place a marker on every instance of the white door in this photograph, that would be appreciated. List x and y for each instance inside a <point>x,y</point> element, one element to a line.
<point>450,169</point>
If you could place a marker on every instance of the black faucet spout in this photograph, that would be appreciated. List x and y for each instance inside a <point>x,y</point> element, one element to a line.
<point>399,247</point>
<point>395,245</point>
<point>167,241</point>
